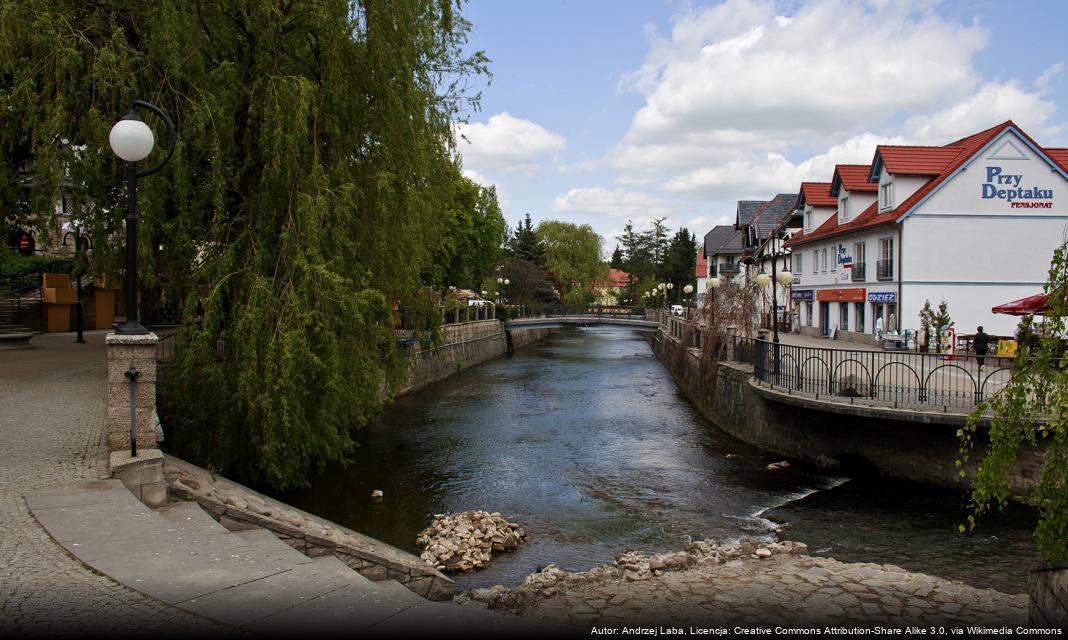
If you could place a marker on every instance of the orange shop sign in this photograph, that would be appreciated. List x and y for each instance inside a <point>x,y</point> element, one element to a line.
<point>841,295</point>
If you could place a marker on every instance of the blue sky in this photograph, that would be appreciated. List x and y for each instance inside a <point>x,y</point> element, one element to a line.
<point>604,111</point>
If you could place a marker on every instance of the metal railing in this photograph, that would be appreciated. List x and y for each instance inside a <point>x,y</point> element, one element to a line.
<point>858,272</point>
<point>897,379</point>
<point>730,267</point>
<point>884,270</point>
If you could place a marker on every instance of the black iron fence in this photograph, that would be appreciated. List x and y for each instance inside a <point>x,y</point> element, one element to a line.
<point>898,379</point>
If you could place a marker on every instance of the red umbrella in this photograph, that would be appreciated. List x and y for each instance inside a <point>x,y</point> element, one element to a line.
<point>1038,303</point>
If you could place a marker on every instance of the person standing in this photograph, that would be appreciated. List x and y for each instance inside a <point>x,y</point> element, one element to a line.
<point>982,344</point>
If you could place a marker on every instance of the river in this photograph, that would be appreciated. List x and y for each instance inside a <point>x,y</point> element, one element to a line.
<point>584,439</point>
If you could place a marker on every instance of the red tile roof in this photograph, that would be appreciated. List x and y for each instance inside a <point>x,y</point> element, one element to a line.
<point>617,277</point>
<point>963,150</point>
<point>701,270</point>
<point>818,194</point>
<point>853,177</point>
<point>915,161</point>
<point>1060,156</point>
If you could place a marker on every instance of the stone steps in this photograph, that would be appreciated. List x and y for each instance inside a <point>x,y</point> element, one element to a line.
<point>249,579</point>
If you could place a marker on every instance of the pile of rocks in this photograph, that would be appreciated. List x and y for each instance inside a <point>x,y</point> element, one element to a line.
<point>466,541</point>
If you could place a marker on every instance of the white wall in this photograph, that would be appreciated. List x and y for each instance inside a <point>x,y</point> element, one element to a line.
<point>904,186</point>
<point>980,252</point>
<point>819,215</point>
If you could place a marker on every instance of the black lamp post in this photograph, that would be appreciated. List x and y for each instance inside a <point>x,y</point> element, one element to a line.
<point>78,251</point>
<point>132,141</point>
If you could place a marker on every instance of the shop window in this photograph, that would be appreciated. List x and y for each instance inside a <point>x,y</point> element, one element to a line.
<point>843,316</point>
<point>808,313</point>
<point>859,313</point>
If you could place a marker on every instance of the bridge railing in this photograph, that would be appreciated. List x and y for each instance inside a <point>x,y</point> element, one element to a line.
<point>891,378</point>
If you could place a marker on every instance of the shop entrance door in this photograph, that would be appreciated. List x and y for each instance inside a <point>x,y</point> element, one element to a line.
<point>825,319</point>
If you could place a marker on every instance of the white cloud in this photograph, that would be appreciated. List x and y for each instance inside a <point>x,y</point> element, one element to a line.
<point>507,143</point>
<point>834,58</point>
<point>756,176</point>
<point>994,103</point>
<point>613,202</point>
<point>739,78</point>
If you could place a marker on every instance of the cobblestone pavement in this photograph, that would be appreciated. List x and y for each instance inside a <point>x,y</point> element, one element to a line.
<point>777,584</point>
<point>52,434</point>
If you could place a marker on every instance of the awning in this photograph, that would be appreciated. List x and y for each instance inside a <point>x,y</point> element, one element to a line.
<point>1038,303</point>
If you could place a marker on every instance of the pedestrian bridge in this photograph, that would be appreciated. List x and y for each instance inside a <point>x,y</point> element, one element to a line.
<point>581,320</point>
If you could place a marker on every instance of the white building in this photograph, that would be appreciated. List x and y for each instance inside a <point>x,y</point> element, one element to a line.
<point>974,222</point>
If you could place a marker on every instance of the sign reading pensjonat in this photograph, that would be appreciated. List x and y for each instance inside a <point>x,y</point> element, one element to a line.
<point>1007,187</point>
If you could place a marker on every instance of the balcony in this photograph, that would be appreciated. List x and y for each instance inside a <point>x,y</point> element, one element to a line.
<point>730,268</point>
<point>858,272</point>
<point>884,270</point>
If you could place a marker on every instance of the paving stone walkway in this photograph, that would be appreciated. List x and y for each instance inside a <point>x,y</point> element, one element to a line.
<point>52,434</point>
<point>778,584</point>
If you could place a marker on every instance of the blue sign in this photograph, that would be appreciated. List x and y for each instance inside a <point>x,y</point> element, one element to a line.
<point>882,296</point>
<point>804,294</point>
<point>1006,186</point>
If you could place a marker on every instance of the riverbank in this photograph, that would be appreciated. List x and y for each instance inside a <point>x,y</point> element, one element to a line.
<point>753,585</point>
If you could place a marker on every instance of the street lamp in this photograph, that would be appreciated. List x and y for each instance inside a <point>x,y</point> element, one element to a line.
<point>132,141</point>
<point>76,234</point>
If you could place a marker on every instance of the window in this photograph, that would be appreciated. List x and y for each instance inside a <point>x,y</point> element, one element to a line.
<point>824,269</point>
<point>886,195</point>
<point>815,261</point>
<point>843,208</point>
<point>808,221</point>
<point>843,316</point>
<point>858,274</point>
<point>834,258</point>
<point>808,313</point>
<point>885,270</point>
<point>859,313</point>
<point>797,264</point>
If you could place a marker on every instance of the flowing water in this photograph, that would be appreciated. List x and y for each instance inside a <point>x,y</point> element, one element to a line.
<point>584,439</point>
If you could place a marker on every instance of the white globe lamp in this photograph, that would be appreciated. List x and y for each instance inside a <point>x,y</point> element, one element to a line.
<point>131,140</point>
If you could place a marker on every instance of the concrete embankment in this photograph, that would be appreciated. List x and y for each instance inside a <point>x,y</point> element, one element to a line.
<point>831,434</point>
<point>463,345</point>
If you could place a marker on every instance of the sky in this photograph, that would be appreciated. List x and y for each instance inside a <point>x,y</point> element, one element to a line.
<point>603,111</point>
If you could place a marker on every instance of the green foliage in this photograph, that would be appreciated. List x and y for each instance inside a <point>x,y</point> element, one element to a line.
<point>18,266</point>
<point>680,262</point>
<point>1031,410</point>
<point>525,244</point>
<point>313,184</point>
<point>528,284</point>
<point>935,322</point>
<point>573,255</point>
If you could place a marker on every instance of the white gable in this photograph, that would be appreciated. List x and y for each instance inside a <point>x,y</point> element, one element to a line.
<point>1007,178</point>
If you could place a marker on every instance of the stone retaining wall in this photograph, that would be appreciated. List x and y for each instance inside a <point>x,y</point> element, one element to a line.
<point>464,345</point>
<point>896,443</point>
<point>237,507</point>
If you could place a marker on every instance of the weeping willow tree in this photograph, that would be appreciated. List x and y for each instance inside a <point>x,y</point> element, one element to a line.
<point>1031,410</point>
<point>314,182</point>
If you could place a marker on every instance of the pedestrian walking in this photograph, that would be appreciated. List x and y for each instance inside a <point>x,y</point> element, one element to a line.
<point>982,344</point>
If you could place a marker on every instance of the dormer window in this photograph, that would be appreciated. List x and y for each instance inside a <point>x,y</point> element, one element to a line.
<point>808,220</point>
<point>843,208</point>
<point>886,196</point>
